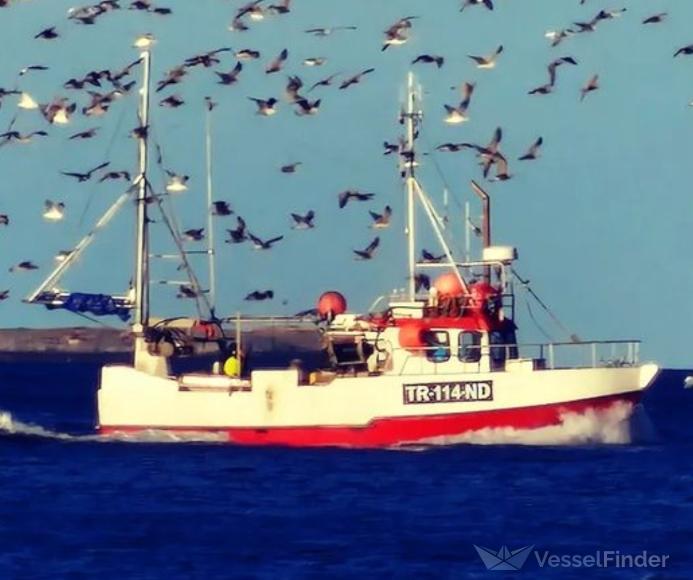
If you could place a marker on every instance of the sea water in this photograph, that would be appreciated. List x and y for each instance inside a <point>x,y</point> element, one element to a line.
<point>77,505</point>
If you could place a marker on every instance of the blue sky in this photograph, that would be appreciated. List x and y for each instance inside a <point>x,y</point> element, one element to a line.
<point>601,220</point>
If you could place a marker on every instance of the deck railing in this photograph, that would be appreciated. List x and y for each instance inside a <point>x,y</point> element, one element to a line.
<point>553,355</point>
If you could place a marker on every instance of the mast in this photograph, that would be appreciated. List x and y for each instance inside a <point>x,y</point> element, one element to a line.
<point>211,249</point>
<point>409,160</point>
<point>412,117</point>
<point>141,307</point>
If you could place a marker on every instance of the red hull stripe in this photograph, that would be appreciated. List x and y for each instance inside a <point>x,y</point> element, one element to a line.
<point>386,432</point>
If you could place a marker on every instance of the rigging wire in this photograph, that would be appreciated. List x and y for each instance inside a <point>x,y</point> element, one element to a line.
<point>446,184</point>
<point>547,336</point>
<point>109,150</point>
<point>194,282</point>
<point>525,285</point>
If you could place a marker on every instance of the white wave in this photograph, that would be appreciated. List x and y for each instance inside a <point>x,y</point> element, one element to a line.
<point>163,436</point>
<point>11,426</point>
<point>607,426</point>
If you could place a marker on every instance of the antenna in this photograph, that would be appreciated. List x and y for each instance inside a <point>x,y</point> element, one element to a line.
<point>142,238</point>
<point>211,248</point>
<point>409,160</point>
<point>412,117</point>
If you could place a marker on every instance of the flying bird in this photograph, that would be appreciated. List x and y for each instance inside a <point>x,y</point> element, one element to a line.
<point>63,255</point>
<point>429,258</point>
<point>398,33</point>
<point>247,54</point>
<point>501,163</point>
<point>88,134</point>
<point>314,61</point>
<point>306,107</point>
<point>345,196</point>
<point>687,50</point>
<point>326,82</point>
<point>53,211</point>
<point>487,62</point>
<point>176,183</point>
<point>381,220</point>
<point>278,63</point>
<point>206,59</point>
<point>458,114</point>
<point>115,175</point>
<point>48,33</point>
<point>553,65</point>
<point>231,77</point>
<point>31,67</point>
<point>238,235</point>
<point>85,176</point>
<point>258,295</point>
<point>655,18</point>
<point>326,31</point>
<point>259,244</point>
<point>221,208</point>
<point>194,235</point>
<point>10,136</point>
<point>290,167</point>
<point>487,3</point>
<point>591,85</point>
<point>533,151</point>
<point>24,266</point>
<point>558,36</point>
<point>429,59</point>
<point>284,7</point>
<point>293,86</point>
<point>355,79</point>
<point>367,253</point>
<point>58,112</point>
<point>187,291</point>
<point>173,77</point>
<point>266,108</point>
<point>303,222</point>
<point>172,102</point>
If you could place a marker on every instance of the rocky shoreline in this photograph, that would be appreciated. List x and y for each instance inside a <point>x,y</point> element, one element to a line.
<point>79,340</point>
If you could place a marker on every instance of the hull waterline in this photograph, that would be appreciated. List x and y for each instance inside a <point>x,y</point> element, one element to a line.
<point>397,431</point>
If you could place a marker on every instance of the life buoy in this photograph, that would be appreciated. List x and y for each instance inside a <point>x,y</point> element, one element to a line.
<point>207,330</point>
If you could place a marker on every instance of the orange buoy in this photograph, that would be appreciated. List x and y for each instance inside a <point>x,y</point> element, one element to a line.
<point>411,336</point>
<point>449,285</point>
<point>331,304</point>
<point>481,294</point>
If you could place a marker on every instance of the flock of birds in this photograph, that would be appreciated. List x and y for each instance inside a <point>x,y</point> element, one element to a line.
<point>100,89</point>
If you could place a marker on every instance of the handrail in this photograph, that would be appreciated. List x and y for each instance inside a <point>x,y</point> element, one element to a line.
<point>546,351</point>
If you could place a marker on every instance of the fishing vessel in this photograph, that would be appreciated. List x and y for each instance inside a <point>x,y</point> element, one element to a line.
<point>429,365</point>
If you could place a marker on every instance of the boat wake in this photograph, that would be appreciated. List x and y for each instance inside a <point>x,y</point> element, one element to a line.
<point>620,424</point>
<point>11,428</point>
<point>612,426</point>
<point>161,436</point>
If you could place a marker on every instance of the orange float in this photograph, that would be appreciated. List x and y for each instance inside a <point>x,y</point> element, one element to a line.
<point>448,285</point>
<point>331,304</point>
<point>411,336</point>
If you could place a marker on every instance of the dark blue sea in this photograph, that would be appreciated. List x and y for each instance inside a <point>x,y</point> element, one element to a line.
<point>76,506</point>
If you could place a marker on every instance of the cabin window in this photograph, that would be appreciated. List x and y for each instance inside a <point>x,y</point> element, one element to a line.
<point>438,346</point>
<point>469,346</point>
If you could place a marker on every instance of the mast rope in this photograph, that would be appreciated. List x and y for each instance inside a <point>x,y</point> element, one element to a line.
<point>525,285</point>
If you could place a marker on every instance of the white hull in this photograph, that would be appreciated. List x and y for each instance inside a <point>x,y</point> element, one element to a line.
<point>274,401</point>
